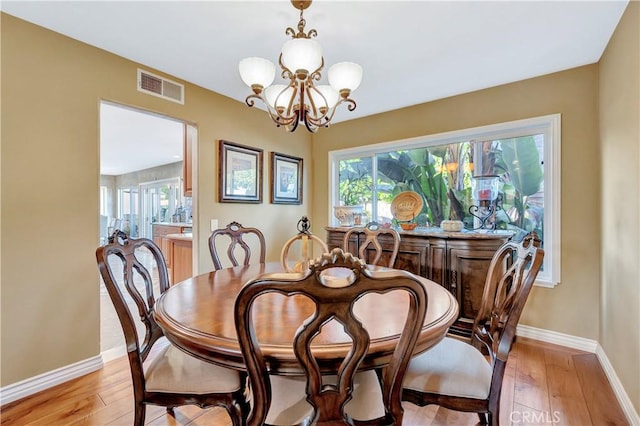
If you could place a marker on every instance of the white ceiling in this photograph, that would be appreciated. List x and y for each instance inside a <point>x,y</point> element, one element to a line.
<point>131,140</point>
<point>411,51</point>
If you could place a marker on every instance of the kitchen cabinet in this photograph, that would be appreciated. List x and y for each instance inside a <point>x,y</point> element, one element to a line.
<point>458,261</point>
<point>181,255</point>
<point>159,232</point>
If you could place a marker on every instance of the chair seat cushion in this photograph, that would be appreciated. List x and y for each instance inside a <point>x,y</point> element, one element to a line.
<point>289,405</point>
<point>452,367</point>
<point>172,370</point>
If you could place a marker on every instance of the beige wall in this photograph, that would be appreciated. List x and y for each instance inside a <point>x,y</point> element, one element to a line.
<point>571,93</point>
<point>51,91</point>
<point>620,162</point>
<point>50,135</point>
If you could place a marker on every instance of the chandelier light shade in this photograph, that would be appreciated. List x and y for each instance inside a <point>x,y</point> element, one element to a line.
<point>299,99</point>
<point>302,54</point>
<point>345,76</point>
<point>257,71</point>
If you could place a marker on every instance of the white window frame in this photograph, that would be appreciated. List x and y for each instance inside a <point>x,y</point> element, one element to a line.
<point>549,125</point>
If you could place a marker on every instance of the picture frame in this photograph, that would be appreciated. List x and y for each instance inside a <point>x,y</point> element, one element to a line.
<point>286,179</point>
<point>239,173</point>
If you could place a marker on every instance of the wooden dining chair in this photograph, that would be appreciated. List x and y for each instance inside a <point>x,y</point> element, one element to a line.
<point>134,273</point>
<point>333,389</point>
<point>456,374</point>
<point>237,234</point>
<point>372,232</point>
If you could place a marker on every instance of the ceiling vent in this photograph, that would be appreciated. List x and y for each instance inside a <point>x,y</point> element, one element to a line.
<point>158,86</point>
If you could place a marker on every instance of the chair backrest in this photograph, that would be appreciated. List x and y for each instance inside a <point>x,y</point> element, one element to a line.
<point>333,300</point>
<point>511,275</point>
<point>236,232</point>
<point>134,274</point>
<point>372,233</point>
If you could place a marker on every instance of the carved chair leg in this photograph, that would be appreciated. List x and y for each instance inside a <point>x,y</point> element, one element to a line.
<point>238,412</point>
<point>139,414</point>
<point>170,411</point>
<point>494,418</point>
<point>483,418</point>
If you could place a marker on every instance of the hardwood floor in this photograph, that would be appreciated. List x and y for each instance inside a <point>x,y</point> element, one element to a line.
<point>544,384</point>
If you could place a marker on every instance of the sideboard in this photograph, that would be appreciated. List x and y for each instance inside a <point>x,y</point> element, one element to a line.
<point>458,261</point>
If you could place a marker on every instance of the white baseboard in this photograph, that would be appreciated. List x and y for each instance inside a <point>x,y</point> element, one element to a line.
<point>556,338</point>
<point>626,404</point>
<point>591,346</point>
<point>113,353</point>
<point>49,379</point>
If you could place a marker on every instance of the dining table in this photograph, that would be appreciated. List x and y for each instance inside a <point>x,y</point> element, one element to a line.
<point>197,315</point>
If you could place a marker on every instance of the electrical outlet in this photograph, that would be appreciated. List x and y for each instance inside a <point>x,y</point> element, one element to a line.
<point>214,224</point>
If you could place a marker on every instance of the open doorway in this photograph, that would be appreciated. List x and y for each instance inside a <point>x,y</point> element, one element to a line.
<point>142,177</point>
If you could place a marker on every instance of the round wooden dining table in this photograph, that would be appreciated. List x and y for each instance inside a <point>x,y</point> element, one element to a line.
<point>197,315</point>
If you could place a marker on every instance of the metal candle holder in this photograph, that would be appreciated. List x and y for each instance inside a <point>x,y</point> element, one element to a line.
<point>485,191</point>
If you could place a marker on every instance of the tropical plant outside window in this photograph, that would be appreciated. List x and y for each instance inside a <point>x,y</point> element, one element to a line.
<point>442,174</point>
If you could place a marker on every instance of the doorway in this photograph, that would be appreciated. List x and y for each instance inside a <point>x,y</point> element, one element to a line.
<point>141,182</point>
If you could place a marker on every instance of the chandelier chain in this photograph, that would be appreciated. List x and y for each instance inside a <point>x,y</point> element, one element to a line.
<point>301,34</point>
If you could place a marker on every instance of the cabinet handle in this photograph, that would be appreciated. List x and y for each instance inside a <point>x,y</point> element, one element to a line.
<point>454,283</point>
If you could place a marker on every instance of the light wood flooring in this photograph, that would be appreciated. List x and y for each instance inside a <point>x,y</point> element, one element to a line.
<point>544,384</point>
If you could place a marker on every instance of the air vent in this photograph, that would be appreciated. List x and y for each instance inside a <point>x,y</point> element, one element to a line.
<point>157,86</point>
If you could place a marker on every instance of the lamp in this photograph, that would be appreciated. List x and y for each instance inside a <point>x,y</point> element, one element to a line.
<point>486,191</point>
<point>301,100</point>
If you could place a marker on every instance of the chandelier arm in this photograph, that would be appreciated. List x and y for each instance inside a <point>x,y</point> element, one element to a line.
<point>314,110</point>
<point>332,111</point>
<point>277,118</point>
<point>310,124</point>
<point>294,123</point>
<point>250,99</point>
<point>351,104</point>
<point>282,121</point>
<point>315,75</point>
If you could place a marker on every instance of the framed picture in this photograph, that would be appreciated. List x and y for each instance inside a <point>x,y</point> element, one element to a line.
<point>286,179</point>
<point>239,173</point>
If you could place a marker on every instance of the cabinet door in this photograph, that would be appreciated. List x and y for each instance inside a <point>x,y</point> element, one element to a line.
<point>468,267</point>
<point>181,259</point>
<point>335,239</point>
<point>436,263</point>
<point>165,248</point>
<point>412,255</point>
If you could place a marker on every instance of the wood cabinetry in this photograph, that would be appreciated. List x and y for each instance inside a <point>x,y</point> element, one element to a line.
<point>159,233</point>
<point>458,261</point>
<point>181,255</point>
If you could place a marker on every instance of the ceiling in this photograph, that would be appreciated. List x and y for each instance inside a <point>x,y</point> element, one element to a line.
<point>132,140</point>
<point>411,51</point>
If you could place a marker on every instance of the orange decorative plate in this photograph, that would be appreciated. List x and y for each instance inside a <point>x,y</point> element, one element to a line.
<point>406,205</point>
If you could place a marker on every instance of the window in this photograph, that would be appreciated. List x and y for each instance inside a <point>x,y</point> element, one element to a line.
<point>128,210</point>
<point>104,201</point>
<point>524,154</point>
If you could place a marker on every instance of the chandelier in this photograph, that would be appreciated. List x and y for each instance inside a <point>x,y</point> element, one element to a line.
<point>300,100</point>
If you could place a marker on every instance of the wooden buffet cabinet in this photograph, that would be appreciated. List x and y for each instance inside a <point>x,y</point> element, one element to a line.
<point>458,261</point>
